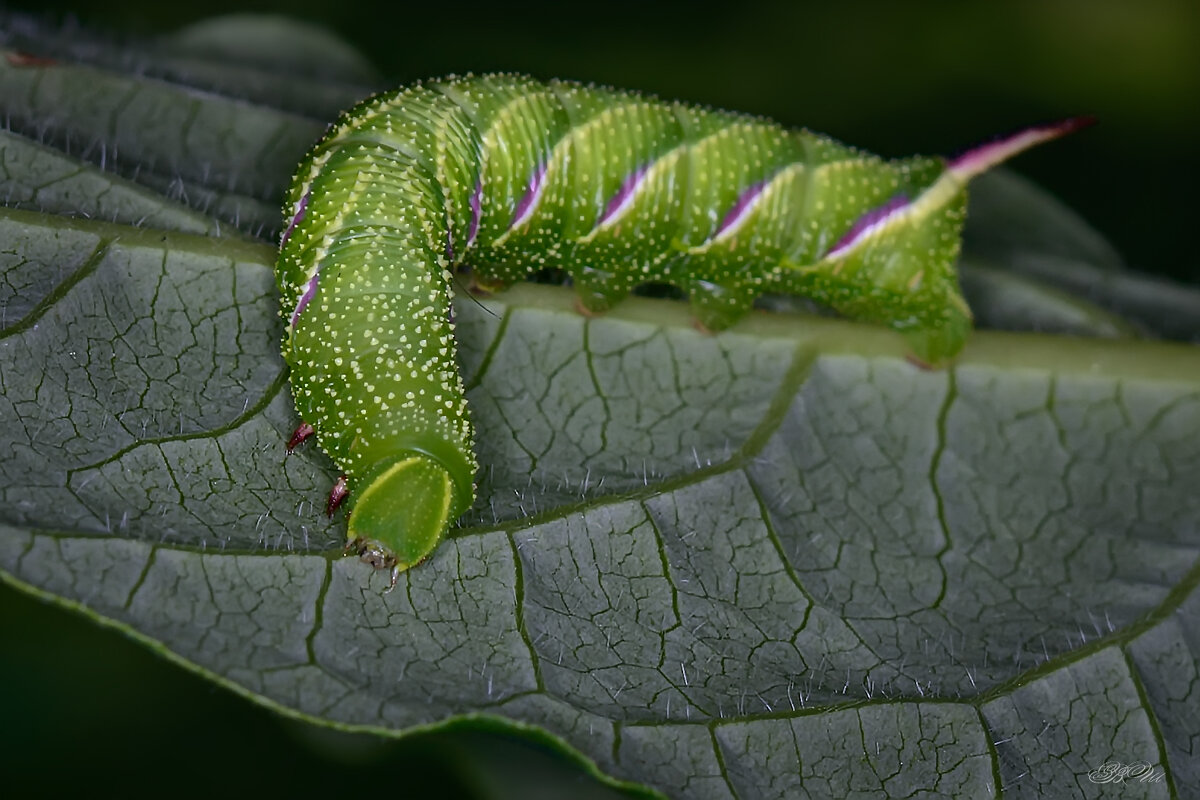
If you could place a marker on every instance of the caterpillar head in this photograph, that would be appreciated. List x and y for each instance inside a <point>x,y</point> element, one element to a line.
<point>378,556</point>
<point>400,513</point>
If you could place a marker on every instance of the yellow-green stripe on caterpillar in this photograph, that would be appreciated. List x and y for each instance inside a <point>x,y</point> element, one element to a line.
<point>616,189</point>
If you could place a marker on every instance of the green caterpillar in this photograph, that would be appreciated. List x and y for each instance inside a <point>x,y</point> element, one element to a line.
<point>510,174</point>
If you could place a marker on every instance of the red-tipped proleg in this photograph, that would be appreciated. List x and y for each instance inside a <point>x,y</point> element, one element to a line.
<point>302,432</point>
<point>339,492</point>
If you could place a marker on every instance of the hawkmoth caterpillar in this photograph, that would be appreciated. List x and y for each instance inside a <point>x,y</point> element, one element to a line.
<point>616,189</point>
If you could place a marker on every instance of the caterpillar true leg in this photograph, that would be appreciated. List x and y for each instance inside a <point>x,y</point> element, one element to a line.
<point>302,432</point>
<point>337,495</point>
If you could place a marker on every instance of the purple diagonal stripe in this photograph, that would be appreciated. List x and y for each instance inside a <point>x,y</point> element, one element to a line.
<point>297,217</point>
<point>869,221</point>
<point>476,204</point>
<point>309,291</point>
<point>737,214</point>
<point>533,193</point>
<point>619,203</point>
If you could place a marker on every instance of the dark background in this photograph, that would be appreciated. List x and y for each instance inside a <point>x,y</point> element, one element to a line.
<point>85,707</point>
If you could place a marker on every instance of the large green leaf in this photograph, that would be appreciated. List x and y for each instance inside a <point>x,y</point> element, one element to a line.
<point>776,562</point>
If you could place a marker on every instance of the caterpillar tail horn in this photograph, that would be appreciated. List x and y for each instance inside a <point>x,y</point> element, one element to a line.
<point>912,227</point>
<point>400,513</point>
<point>981,158</point>
<point>933,346</point>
